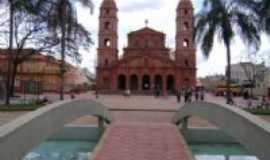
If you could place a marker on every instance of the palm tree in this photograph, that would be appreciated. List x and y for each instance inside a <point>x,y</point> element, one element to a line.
<point>261,8</point>
<point>64,23</point>
<point>221,19</point>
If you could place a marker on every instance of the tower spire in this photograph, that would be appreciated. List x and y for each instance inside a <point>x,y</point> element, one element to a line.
<point>185,47</point>
<point>146,22</point>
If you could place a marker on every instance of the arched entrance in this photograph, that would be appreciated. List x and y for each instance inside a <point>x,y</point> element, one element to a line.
<point>158,82</point>
<point>146,85</point>
<point>134,83</point>
<point>122,82</point>
<point>170,83</point>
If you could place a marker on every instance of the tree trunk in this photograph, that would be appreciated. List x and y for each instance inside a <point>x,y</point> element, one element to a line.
<point>13,79</point>
<point>228,72</point>
<point>63,48</point>
<point>10,53</point>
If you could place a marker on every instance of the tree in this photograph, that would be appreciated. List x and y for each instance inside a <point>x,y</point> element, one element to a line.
<point>221,19</point>
<point>64,24</point>
<point>15,6</point>
<point>31,36</point>
<point>261,8</point>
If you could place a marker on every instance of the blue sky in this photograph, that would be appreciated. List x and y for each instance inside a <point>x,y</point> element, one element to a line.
<point>161,15</point>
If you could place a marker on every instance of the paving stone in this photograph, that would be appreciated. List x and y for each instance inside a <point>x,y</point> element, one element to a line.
<point>142,141</point>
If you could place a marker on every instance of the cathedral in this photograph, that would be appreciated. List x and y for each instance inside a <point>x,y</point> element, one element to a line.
<point>146,64</point>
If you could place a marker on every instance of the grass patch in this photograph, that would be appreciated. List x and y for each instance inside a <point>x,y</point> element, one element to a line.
<point>259,111</point>
<point>20,107</point>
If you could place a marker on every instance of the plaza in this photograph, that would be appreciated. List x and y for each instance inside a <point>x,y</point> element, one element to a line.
<point>134,90</point>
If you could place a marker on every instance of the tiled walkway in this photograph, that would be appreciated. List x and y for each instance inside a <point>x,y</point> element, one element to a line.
<point>142,141</point>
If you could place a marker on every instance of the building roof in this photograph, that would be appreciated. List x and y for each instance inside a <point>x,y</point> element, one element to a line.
<point>108,4</point>
<point>185,4</point>
<point>146,30</point>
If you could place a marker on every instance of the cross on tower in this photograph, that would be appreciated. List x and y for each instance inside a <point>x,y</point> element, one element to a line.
<point>146,22</point>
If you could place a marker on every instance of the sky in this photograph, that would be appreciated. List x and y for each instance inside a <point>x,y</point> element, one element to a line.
<point>161,15</point>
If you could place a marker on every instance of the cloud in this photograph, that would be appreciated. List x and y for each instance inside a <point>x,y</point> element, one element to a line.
<point>139,5</point>
<point>161,15</point>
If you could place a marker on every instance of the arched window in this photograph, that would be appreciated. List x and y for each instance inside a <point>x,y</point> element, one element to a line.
<point>186,63</point>
<point>107,43</point>
<point>107,11</point>
<point>186,11</point>
<point>106,62</point>
<point>186,26</point>
<point>185,43</point>
<point>107,25</point>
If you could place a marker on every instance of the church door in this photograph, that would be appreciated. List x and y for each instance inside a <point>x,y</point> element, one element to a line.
<point>134,84</point>
<point>158,82</point>
<point>122,82</point>
<point>170,83</point>
<point>146,83</point>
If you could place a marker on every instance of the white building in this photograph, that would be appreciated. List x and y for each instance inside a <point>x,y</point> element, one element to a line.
<point>245,73</point>
<point>248,74</point>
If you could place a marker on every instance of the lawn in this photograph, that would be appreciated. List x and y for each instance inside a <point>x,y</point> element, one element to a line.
<point>259,111</point>
<point>19,107</point>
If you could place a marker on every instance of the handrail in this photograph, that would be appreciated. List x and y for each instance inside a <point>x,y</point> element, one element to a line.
<point>247,129</point>
<point>21,135</point>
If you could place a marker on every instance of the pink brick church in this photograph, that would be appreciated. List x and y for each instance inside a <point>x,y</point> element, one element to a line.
<point>146,64</point>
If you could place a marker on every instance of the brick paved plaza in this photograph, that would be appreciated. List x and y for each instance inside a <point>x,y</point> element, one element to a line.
<point>124,141</point>
<point>134,108</point>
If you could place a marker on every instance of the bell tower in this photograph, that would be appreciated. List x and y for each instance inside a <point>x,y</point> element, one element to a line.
<point>185,47</point>
<point>108,36</point>
<point>107,52</point>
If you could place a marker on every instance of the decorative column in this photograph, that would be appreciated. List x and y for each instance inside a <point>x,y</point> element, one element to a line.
<point>152,83</point>
<point>140,83</point>
<point>127,82</point>
<point>164,85</point>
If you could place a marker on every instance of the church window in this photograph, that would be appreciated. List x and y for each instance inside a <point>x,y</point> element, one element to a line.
<point>107,43</point>
<point>186,26</point>
<point>106,63</point>
<point>185,43</point>
<point>107,25</point>
<point>186,11</point>
<point>186,63</point>
<point>107,11</point>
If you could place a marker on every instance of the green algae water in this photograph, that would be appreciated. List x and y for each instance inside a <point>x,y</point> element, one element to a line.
<point>62,150</point>
<point>221,152</point>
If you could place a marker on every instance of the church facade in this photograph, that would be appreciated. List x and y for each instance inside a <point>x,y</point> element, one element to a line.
<point>146,64</point>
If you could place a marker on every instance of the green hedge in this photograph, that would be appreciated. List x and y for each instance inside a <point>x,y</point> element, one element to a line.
<point>19,107</point>
<point>259,111</point>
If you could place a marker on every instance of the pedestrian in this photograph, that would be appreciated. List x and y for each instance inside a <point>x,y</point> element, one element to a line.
<point>178,95</point>
<point>202,94</point>
<point>157,91</point>
<point>197,94</point>
<point>128,93</point>
<point>263,102</point>
<point>96,93</point>
<point>186,95</point>
<point>72,96</point>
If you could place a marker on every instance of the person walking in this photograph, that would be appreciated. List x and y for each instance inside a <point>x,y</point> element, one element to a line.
<point>186,95</point>
<point>96,93</point>
<point>178,95</point>
<point>197,94</point>
<point>202,94</point>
